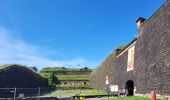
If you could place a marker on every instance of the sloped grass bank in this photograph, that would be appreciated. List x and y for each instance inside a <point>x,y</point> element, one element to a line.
<point>73,87</point>
<point>72,77</point>
<point>75,92</point>
<point>131,98</point>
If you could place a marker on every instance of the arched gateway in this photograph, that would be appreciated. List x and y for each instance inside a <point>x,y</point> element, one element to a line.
<point>129,86</point>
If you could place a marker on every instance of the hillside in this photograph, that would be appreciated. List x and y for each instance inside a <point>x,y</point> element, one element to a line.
<point>66,76</point>
<point>14,75</point>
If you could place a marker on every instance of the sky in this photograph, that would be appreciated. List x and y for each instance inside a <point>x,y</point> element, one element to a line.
<point>70,33</point>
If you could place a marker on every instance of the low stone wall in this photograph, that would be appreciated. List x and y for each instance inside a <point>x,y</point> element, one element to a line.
<point>74,82</point>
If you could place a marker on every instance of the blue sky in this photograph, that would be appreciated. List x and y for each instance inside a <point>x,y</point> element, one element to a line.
<point>67,32</point>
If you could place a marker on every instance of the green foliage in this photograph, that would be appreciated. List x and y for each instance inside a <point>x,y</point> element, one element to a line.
<point>83,86</point>
<point>85,69</point>
<point>8,65</point>
<point>33,69</point>
<point>121,47</point>
<point>132,98</point>
<point>72,77</point>
<point>65,77</point>
<point>53,69</point>
<point>77,91</point>
<point>51,79</point>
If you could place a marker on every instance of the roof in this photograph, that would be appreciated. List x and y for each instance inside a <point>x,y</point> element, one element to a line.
<point>126,46</point>
<point>140,18</point>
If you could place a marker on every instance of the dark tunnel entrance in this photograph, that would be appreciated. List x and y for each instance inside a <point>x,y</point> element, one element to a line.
<point>129,86</point>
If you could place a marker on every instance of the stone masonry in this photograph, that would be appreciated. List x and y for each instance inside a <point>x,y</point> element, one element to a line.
<point>151,58</point>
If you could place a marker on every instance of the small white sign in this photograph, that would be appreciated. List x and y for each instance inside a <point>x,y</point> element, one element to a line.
<point>21,95</point>
<point>114,88</point>
<point>107,81</point>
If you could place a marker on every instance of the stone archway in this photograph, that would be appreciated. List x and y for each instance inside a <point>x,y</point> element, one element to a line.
<point>129,86</point>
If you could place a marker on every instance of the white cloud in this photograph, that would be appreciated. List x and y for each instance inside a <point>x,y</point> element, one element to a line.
<point>16,50</point>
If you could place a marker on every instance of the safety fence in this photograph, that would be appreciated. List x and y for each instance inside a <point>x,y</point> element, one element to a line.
<point>39,92</point>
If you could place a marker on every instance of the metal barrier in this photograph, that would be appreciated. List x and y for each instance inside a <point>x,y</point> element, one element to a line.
<point>19,93</point>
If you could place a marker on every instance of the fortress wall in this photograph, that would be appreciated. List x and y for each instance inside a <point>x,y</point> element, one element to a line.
<point>152,54</point>
<point>122,75</point>
<point>151,59</point>
<point>106,68</point>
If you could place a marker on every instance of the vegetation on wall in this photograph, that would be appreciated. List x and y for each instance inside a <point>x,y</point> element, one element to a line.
<point>121,47</point>
<point>53,69</point>
<point>51,78</point>
<point>33,68</point>
<point>8,65</point>
<point>81,86</point>
<point>54,78</point>
<point>72,77</point>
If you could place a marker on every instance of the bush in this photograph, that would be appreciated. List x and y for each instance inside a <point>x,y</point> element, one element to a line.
<point>51,78</point>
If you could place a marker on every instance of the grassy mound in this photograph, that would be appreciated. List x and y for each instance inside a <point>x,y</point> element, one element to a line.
<point>72,77</point>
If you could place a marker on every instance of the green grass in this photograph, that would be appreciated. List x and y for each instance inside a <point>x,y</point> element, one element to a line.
<point>8,65</point>
<point>130,98</point>
<point>53,69</point>
<point>18,65</point>
<point>82,86</point>
<point>72,77</point>
<point>74,92</point>
<point>67,77</point>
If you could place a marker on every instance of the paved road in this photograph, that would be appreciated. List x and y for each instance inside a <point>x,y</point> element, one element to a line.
<point>110,98</point>
<point>94,99</point>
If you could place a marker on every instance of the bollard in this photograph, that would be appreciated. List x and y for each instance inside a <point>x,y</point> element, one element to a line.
<point>153,95</point>
<point>81,97</point>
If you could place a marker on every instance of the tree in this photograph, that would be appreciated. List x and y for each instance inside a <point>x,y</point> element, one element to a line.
<point>33,68</point>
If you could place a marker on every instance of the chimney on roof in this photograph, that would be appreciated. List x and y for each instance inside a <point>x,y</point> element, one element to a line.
<point>140,21</point>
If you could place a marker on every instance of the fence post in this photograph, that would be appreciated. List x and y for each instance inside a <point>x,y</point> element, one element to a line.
<point>39,92</point>
<point>80,90</point>
<point>60,92</point>
<point>98,89</point>
<point>15,93</point>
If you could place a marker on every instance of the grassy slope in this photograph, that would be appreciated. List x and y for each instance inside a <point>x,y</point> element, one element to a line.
<point>131,98</point>
<point>74,92</point>
<point>52,69</point>
<point>68,77</point>
<point>72,77</point>
<point>19,65</point>
<point>8,65</point>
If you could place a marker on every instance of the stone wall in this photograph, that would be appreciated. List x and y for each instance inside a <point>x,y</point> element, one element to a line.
<point>121,76</point>
<point>74,82</point>
<point>152,54</point>
<point>107,68</point>
<point>151,60</point>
